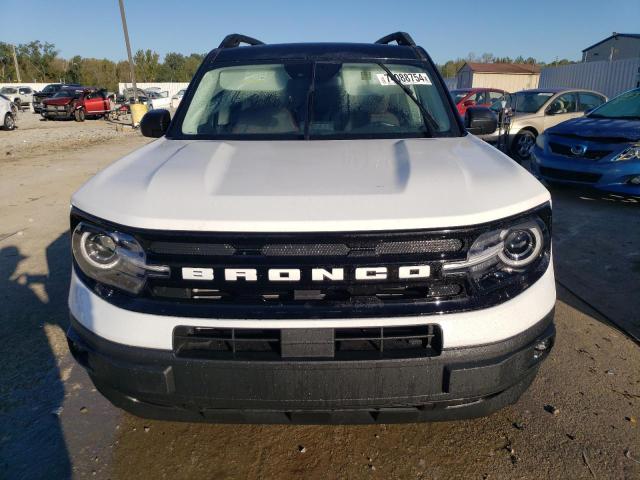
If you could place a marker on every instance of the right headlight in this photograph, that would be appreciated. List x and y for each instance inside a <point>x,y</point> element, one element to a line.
<point>112,258</point>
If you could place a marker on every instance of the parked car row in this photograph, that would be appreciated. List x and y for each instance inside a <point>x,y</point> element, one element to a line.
<point>572,136</point>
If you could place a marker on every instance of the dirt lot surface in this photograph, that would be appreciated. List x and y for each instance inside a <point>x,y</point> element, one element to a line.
<point>53,424</point>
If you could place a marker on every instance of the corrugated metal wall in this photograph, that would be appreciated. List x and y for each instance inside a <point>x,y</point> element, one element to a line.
<point>505,81</point>
<point>171,87</point>
<point>610,78</point>
<point>451,82</point>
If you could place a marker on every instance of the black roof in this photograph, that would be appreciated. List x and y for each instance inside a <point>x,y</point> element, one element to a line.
<point>317,51</point>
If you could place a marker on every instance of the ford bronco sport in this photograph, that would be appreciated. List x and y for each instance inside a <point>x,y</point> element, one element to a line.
<point>315,237</point>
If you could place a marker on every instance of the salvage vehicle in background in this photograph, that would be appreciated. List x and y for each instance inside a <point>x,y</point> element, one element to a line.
<point>77,103</point>
<point>533,111</point>
<point>600,150</point>
<point>8,112</point>
<point>21,96</point>
<point>48,92</point>
<point>314,237</point>
<point>158,99</point>
<point>475,97</point>
<point>175,100</point>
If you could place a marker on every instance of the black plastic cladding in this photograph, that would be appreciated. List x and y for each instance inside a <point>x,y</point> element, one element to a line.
<point>365,301</point>
<point>338,52</point>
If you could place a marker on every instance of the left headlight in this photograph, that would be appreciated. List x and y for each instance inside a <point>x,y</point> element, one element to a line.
<point>112,258</point>
<point>505,255</point>
<point>629,153</point>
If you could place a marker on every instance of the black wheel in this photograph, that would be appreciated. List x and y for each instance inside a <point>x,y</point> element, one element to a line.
<point>18,104</point>
<point>9,122</point>
<point>79,115</point>
<point>522,144</point>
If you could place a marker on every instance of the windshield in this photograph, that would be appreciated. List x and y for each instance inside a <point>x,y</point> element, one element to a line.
<point>65,94</point>
<point>524,102</point>
<point>459,95</point>
<point>626,105</point>
<point>8,90</point>
<point>307,100</point>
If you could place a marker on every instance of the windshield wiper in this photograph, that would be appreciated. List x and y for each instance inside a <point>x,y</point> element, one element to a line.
<point>429,123</point>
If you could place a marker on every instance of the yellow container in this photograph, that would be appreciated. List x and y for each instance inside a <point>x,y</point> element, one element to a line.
<point>137,112</point>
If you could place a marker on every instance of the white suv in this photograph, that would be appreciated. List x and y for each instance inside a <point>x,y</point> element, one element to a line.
<point>313,238</point>
<point>20,96</point>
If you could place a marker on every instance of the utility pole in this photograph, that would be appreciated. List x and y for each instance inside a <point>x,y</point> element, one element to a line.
<point>15,62</point>
<point>126,40</point>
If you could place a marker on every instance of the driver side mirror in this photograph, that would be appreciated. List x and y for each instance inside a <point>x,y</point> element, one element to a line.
<point>480,121</point>
<point>469,103</point>
<point>155,123</point>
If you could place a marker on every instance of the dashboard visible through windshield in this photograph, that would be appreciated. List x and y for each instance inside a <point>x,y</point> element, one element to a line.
<point>316,100</point>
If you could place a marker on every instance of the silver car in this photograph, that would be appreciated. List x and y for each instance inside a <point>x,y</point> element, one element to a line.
<point>539,109</point>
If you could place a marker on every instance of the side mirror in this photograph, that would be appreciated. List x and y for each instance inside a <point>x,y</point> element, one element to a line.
<point>155,123</point>
<point>480,121</point>
<point>469,103</point>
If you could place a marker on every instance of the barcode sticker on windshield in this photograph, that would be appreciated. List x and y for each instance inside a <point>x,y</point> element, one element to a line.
<point>404,78</point>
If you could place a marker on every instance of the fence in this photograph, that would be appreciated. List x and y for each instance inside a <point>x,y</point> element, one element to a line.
<point>610,78</point>
<point>171,87</point>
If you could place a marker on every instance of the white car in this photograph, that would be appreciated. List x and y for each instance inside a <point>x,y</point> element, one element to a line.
<point>158,99</point>
<point>7,113</point>
<point>20,96</point>
<point>177,98</point>
<point>315,237</point>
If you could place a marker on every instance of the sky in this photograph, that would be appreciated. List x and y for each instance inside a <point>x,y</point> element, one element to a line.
<point>545,29</point>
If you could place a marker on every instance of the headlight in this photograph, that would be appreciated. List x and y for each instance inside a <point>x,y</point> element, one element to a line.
<point>112,258</point>
<point>541,140</point>
<point>630,153</point>
<point>504,254</point>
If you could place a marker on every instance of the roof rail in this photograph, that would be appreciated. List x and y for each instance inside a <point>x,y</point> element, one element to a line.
<point>235,39</point>
<point>401,38</point>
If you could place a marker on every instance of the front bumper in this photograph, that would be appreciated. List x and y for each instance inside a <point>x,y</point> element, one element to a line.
<point>48,113</point>
<point>458,383</point>
<point>600,174</point>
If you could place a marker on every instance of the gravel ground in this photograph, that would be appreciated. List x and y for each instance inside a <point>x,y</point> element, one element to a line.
<point>35,135</point>
<point>53,424</point>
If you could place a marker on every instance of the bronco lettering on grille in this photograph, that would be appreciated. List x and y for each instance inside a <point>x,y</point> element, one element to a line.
<point>406,272</point>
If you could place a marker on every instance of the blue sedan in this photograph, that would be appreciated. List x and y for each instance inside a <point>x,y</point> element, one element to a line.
<point>600,150</point>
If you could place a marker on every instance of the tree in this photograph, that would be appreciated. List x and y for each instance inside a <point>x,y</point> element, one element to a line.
<point>146,65</point>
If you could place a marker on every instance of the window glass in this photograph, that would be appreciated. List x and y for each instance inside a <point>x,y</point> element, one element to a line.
<point>493,96</point>
<point>565,103</point>
<point>589,101</point>
<point>625,106</point>
<point>348,99</point>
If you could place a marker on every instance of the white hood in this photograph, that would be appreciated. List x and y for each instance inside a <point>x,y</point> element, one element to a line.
<point>296,186</point>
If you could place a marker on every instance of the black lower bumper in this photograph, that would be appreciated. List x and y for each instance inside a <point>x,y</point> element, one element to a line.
<point>458,383</point>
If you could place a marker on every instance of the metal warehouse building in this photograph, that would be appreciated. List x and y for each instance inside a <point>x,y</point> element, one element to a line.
<point>616,47</point>
<point>505,76</point>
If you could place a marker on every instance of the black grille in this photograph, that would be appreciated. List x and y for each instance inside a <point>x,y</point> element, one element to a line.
<point>309,298</point>
<point>570,175</point>
<point>344,343</point>
<point>589,154</point>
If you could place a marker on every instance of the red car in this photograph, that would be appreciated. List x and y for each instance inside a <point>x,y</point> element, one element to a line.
<point>77,103</point>
<point>475,97</point>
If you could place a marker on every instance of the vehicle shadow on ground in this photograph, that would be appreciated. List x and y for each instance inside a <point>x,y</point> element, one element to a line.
<point>32,443</point>
<point>596,242</point>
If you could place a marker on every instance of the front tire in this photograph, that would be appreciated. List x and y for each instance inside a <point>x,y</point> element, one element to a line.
<point>9,122</point>
<point>18,104</point>
<point>79,115</point>
<point>522,144</point>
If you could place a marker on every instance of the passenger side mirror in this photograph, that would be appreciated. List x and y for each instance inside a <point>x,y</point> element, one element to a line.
<point>155,123</point>
<point>480,121</point>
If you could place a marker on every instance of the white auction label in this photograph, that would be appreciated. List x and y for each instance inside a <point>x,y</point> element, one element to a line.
<point>404,78</point>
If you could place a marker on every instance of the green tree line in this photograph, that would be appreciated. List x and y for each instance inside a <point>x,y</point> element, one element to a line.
<point>40,62</point>
<point>451,67</point>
